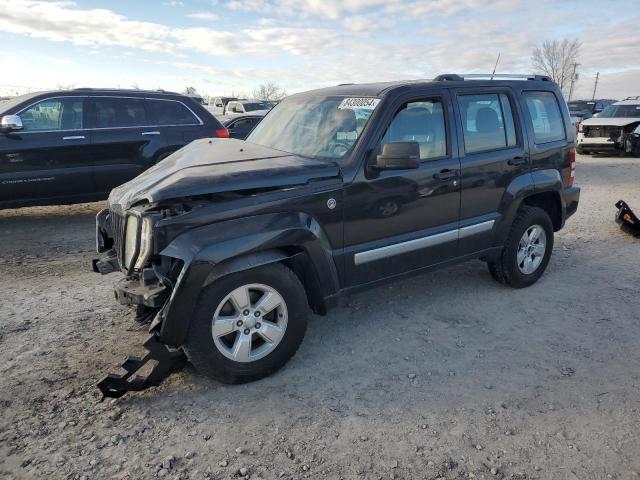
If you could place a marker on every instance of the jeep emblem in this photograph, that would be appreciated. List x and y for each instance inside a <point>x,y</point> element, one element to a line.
<point>331,203</point>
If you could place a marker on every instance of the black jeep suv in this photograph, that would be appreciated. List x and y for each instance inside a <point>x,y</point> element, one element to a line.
<point>76,145</point>
<point>337,190</point>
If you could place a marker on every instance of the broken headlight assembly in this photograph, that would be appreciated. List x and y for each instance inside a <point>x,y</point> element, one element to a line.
<point>137,241</point>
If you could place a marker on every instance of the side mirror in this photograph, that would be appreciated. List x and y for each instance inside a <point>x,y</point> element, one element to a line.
<point>10,123</point>
<point>398,156</point>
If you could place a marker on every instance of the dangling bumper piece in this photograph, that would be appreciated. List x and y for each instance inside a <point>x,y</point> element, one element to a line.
<point>627,219</point>
<point>168,361</point>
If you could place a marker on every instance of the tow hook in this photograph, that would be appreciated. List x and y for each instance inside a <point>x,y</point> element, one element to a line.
<point>168,361</point>
<point>627,219</point>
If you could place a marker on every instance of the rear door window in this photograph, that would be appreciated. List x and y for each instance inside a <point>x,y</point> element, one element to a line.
<point>117,112</point>
<point>64,113</point>
<point>170,112</point>
<point>487,122</point>
<point>545,115</point>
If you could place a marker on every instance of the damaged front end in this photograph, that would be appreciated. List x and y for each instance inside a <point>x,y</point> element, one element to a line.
<point>126,240</point>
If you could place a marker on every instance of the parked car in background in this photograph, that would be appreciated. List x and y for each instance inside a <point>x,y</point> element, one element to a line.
<point>607,131</point>
<point>240,126</point>
<point>583,109</point>
<point>240,107</point>
<point>196,97</point>
<point>218,105</point>
<point>232,242</point>
<point>76,145</point>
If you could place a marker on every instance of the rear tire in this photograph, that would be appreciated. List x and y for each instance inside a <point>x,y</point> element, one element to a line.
<point>272,321</point>
<point>527,251</point>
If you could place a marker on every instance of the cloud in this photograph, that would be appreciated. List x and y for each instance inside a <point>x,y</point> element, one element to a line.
<point>60,22</point>
<point>304,44</point>
<point>203,16</point>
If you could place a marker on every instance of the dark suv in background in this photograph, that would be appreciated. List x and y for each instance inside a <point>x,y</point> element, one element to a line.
<point>337,190</point>
<point>75,146</point>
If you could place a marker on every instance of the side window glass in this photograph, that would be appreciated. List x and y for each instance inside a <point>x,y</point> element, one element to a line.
<point>421,122</point>
<point>114,112</point>
<point>544,111</point>
<point>170,112</point>
<point>487,122</point>
<point>53,114</point>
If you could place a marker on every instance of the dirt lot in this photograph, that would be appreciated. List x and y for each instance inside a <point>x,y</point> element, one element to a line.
<point>448,375</point>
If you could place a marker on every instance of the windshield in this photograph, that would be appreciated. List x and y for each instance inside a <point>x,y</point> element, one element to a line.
<point>581,106</point>
<point>613,111</point>
<point>317,127</point>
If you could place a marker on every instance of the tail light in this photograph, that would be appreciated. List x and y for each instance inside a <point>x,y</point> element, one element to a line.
<point>222,133</point>
<point>572,164</point>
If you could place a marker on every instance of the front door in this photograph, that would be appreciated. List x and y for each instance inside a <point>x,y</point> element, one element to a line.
<point>402,220</point>
<point>48,159</point>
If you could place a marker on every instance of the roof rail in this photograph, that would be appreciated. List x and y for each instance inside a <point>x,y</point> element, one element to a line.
<point>159,90</point>
<point>453,77</point>
<point>636,97</point>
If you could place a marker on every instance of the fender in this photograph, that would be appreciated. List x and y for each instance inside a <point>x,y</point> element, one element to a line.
<point>521,187</point>
<point>212,251</point>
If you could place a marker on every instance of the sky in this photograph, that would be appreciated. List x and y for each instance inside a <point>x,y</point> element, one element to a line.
<point>224,47</point>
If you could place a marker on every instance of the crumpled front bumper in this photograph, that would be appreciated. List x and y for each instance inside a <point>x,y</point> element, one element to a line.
<point>134,291</point>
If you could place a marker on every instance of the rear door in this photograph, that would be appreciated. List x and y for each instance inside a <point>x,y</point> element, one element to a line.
<point>492,154</point>
<point>177,122</point>
<point>49,158</point>
<point>124,141</point>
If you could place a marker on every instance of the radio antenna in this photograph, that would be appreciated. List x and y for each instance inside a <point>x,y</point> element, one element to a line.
<point>495,66</point>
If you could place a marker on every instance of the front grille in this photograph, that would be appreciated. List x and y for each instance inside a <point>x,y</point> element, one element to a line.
<point>118,222</point>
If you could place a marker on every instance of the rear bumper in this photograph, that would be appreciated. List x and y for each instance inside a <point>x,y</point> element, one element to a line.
<point>571,199</point>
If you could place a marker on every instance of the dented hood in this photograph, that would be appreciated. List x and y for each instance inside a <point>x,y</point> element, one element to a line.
<point>610,122</point>
<point>220,165</point>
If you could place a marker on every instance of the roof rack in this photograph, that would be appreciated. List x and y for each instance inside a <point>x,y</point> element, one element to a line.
<point>636,97</point>
<point>454,77</point>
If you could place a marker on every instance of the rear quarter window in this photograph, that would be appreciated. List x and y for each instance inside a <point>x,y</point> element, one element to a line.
<point>544,112</point>
<point>170,112</point>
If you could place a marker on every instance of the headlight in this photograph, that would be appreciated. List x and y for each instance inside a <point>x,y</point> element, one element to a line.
<point>130,240</point>
<point>145,243</point>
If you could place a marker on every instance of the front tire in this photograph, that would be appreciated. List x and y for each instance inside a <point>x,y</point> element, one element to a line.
<point>248,324</point>
<point>527,251</point>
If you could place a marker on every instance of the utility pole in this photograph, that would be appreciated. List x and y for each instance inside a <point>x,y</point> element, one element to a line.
<point>593,97</point>
<point>573,78</point>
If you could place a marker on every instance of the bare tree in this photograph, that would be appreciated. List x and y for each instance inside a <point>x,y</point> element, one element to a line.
<point>269,91</point>
<point>557,59</point>
<point>190,91</point>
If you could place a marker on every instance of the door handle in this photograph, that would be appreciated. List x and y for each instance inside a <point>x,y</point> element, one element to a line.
<point>74,137</point>
<point>515,161</point>
<point>151,133</point>
<point>445,174</point>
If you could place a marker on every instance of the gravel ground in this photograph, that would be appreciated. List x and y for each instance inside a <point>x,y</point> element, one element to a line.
<point>447,375</point>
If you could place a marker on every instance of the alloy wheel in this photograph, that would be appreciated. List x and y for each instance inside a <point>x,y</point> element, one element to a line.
<point>249,322</point>
<point>531,249</point>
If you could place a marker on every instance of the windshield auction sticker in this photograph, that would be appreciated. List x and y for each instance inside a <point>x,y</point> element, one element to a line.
<point>358,103</point>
